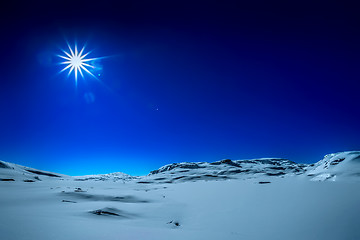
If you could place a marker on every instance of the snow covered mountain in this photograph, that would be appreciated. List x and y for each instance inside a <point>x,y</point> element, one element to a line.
<point>15,172</point>
<point>225,169</point>
<point>333,167</point>
<point>336,166</point>
<point>117,176</point>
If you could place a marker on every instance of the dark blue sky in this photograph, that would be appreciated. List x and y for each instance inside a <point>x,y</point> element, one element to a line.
<point>186,81</point>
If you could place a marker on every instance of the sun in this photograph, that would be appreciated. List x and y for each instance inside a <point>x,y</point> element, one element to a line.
<point>77,62</point>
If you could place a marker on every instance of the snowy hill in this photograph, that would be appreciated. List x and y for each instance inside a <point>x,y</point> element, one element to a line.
<point>333,167</point>
<point>336,166</point>
<point>15,172</point>
<point>117,176</point>
<point>225,169</point>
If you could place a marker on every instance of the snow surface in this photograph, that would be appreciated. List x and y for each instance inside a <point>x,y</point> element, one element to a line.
<point>242,199</point>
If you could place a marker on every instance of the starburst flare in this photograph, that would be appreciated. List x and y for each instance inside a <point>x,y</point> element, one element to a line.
<point>76,62</point>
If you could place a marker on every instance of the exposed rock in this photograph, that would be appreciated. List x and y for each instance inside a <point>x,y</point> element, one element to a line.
<point>97,197</point>
<point>79,190</point>
<point>186,165</point>
<point>42,173</point>
<point>68,201</point>
<point>28,180</point>
<point>226,161</point>
<point>112,212</point>
<point>3,165</point>
<point>174,223</point>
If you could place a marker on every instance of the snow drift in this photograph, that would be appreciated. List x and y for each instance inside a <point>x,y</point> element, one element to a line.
<point>267,198</point>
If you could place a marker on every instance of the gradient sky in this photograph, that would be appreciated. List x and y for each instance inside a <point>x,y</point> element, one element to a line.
<point>185,81</point>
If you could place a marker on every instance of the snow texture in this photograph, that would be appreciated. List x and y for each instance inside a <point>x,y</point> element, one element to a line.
<point>265,198</point>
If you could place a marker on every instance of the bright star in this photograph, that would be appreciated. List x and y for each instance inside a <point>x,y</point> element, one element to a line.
<point>77,62</point>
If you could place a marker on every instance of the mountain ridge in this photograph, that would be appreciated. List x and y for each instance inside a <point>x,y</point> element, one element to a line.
<point>334,166</point>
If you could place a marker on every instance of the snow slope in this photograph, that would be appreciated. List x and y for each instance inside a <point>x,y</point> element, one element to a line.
<point>246,199</point>
<point>337,166</point>
<point>15,172</point>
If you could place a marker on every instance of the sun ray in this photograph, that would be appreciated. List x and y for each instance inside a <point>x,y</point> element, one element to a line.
<point>88,65</point>
<point>71,51</point>
<point>67,54</point>
<point>81,73</point>
<point>85,54</point>
<point>66,58</point>
<point>90,59</point>
<point>65,68</point>
<point>71,69</point>
<point>88,71</point>
<point>76,52</point>
<point>83,48</point>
